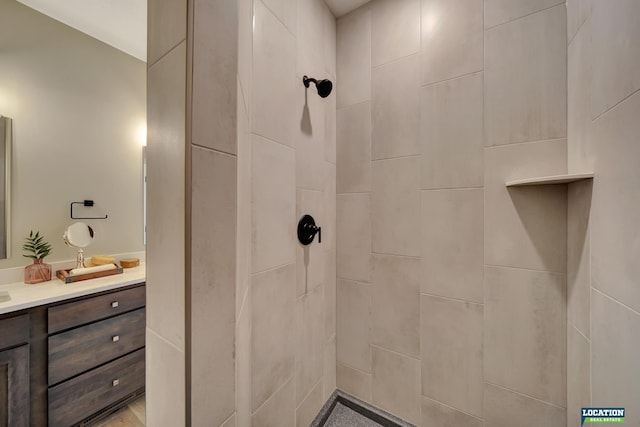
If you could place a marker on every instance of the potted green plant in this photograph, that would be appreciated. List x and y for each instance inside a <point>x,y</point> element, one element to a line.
<point>37,249</point>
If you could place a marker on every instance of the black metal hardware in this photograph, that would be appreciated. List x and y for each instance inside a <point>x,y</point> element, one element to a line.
<point>307,230</point>
<point>323,86</point>
<point>87,203</point>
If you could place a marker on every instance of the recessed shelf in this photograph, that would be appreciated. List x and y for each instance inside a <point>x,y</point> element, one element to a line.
<point>548,180</point>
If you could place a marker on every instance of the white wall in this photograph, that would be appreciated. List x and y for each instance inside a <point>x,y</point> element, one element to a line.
<point>78,108</point>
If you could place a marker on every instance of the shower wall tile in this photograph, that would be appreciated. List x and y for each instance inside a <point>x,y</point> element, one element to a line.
<point>578,375</point>
<point>396,384</point>
<point>395,29</point>
<point>525,332</point>
<point>330,119</point>
<point>273,332</point>
<point>616,65</point>
<point>245,54</point>
<point>329,193</point>
<point>167,27</point>
<point>310,139</point>
<point>243,364</point>
<point>520,230</point>
<point>580,143</point>
<point>308,40</point>
<point>451,351</point>
<point>354,236</point>
<point>310,263</point>
<point>309,324</point>
<point>279,410</point>
<point>526,80</point>
<point>395,201</point>
<point>578,12</point>
<point>435,414</point>
<point>273,204</point>
<point>616,205</point>
<point>273,104</point>
<point>309,408</point>
<point>354,382</point>
<point>329,369</point>
<point>354,149</point>
<point>329,44</point>
<point>285,11</point>
<point>396,304</point>
<point>498,12</point>
<point>354,324</point>
<point>395,106</point>
<point>330,294</point>
<point>452,243</point>
<point>166,218</point>
<point>243,208</point>
<point>215,53</point>
<point>504,407</point>
<point>353,57</point>
<point>213,281</point>
<point>452,37</point>
<point>578,255</point>
<point>230,422</point>
<point>615,351</point>
<point>451,133</point>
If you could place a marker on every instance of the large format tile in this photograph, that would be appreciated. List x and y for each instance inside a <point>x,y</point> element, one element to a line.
<point>329,369</point>
<point>166,195</point>
<point>578,375</point>
<point>451,351</point>
<point>396,384</point>
<point>395,92</point>
<point>579,255</point>
<point>354,236</point>
<point>330,294</point>
<point>353,57</point>
<point>525,226</point>
<point>245,51</point>
<point>243,207</point>
<point>526,79</point>
<point>310,139</point>
<point>330,38</point>
<point>330,131</point>
<point>309,342</point>
<point>451,133</point>
<point>354,325</point>
<point>616,65</point>
<point>310,263</point>
<point>395,30</point>
<point>435,414</point>
<point>167,26</point>
<point>274,83</point>
<point>243,364</point>
<point>273,204</point>
<point>213,282</point>
<point>452,243</point>
<point>616,203</point>
<point>354,148</point>
<point>578,12</point>
<point>285,11</point>
<point>500,11</point>
<point>452,37</point>
<point>395,206</point>
<point>279,410</point>
<point>615,351</point>
<point>165,381</point>
<point>525,332</point>
<point>309,408</point>
<point>312,29</point>
<point>215,53</point>
<point>329,229</point>
<point>354,382</point>
<point>504,408</point>
<point>580,141</point>
<point>396,304</point>
<point>272,331</point>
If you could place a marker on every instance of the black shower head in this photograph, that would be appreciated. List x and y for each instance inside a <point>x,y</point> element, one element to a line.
<point>324,86</point>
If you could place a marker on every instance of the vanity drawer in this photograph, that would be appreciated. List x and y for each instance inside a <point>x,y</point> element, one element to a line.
<point>83,396</point>
<point>14,331</point>
<point>89,310</point>
<point>78,350</point>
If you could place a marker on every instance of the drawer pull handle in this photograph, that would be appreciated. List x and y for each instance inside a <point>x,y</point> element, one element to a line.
<point>115,304</point>
<point>115,338</point>
<point>115,383</point>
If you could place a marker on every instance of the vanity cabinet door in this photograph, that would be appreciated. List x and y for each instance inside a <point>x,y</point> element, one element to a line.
<point>14,387</point>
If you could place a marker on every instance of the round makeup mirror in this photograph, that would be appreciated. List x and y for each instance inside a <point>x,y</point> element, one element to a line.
<point>78,235</point>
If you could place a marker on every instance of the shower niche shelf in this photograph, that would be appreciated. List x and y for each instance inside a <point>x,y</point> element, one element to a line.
<point>552,179</point>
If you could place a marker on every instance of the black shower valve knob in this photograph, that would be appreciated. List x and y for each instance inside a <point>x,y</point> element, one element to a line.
<point>307,230</point>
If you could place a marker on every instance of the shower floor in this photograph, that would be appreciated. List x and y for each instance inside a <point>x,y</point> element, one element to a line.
<point>344,416</point>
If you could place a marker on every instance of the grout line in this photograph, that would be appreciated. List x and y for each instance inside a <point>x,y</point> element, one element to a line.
<point>272,269</point>
<point>355,192</point>
<point>313,387</point>
<point>525,16</point>
<point>344,107</point>
<point>451,407</point>
<point>346,365</point>
<point>230,416</point>
<point>569,42</point>
<point>373,67</point>
<point>275,15</point>
<point>272,140</point>
<point>526,395</point>
<point>615,105</point>
<point>509,144</point>
<point>214,150</point>
<point>461,76</point>
<point>166,340</point>
<point>577,330</point>
<point>353,281</point>
<point>527,269</point>
<point>395,158</point>
<point>396,255</point>
<point>452,188</point>
<point>167,53</point>
<point>634,311</point>
<point>395,352</point>
<point>283,385</point>
<point>452,299</point>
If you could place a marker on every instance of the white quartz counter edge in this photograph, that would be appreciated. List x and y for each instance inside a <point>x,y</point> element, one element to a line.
<point>27,296</point>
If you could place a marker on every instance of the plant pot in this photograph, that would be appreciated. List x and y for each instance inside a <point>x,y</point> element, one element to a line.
<point>37,272</point>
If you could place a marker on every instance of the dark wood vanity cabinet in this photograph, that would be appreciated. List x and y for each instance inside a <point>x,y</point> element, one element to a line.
<point>66,363</point>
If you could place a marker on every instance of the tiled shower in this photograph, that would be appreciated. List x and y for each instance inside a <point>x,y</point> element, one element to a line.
<point>438,293</point>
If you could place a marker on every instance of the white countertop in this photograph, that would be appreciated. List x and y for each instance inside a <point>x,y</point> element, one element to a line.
<point>27,296</point>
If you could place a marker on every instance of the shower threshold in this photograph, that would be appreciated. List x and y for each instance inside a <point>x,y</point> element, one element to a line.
<point>344,410</point>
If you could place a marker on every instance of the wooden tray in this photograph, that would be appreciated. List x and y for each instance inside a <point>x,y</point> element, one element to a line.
<point>67,278</point>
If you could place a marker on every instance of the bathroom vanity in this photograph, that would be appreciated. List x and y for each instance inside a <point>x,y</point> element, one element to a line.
<point>70,353</point>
